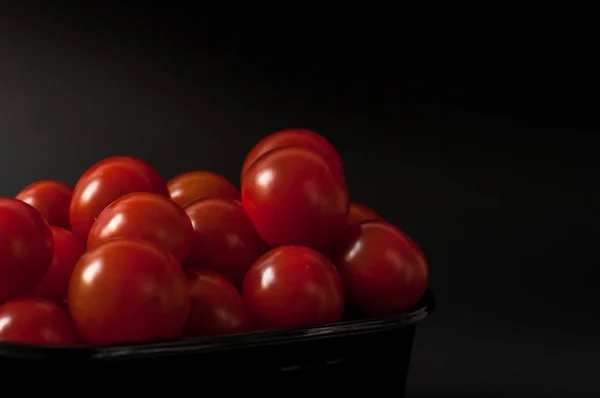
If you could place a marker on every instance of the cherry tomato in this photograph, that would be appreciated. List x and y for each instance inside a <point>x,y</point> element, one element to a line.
<point>216,306</point>
<point>145,216</point>
<point>126,291</point>
<point>293,137</point>
<point>384,271</point>
<point>52,199</point>
<point>67,251</point>
<point>107,181</point>
<point>25,248</point>
<point>224,238</point>
<point>293,286</point>
<point>356,215</point>
<point>189,187</point>
<point>36,321</point>
<point>295,197</point>
<point>359,213</point>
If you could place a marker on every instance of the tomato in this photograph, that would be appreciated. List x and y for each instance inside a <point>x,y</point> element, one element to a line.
<point>127,291</point>
<point>224,238</point>
<point>52,199</point>
<point>295,197</point>
<point>145,216</point>
<point>107,181</point>
<point>189,187</point>
<point>293,286</point>
<point>36,321</point>
<point>216,306</point>
<point>356,215</point>
<point>293,137</point>
<point>67,251</point>
<point>359,213</point>
<point>384,271</point>
<point>25,248</point>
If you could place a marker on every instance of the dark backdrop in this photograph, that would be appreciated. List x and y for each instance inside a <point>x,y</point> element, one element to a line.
<point>479,146</point>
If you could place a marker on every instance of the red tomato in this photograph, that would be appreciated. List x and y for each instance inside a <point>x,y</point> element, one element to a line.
<point>126,291</point>
<point>295,197</point>
<point>293,286</point>
<point>25,248</point>
<point>189,187</point>
<point>384,271</point>
<point>52,199</point>
<point>224,238</point>
<point>67,251</point>
<point>216,306</point>
<point>145,216</point>
<point>359,213</point>
<point>293,137</point>
<point>107,181</point>
<point>36,321</point>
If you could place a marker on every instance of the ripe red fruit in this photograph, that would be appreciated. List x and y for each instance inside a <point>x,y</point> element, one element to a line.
<point>107,181</point>
<point>67,251</point>
<point>294,196</point>
<point>148,217</point>
<point>51,199</point>
<point>224,238</point>
<point>195,185</point>
<point>291,287</point>
<point>384,271</point>
<point>36,321</point>
<point>216,306</point>
<point>26,248</point>
<point>294,137</point>
<point>127,291</point>
<point>359,213</point>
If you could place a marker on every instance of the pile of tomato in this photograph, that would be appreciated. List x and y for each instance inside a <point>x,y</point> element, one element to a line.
<point>126,257</point>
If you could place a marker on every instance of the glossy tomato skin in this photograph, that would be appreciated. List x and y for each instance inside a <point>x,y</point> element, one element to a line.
<point>384,271</point>
<point>145,216</point>
<point>293,137</point>
<point>195,185</point>
<point>224,238</point>
<point>291,287</point>
<point>67,251</point>
<point>126,291</point>
<point>52,199</point>
<point>359,213</point>
<point>295,197</point>
<point>26,248</point>
<point>107,181</point>
<point>216,306</point>
<point>36,321</point>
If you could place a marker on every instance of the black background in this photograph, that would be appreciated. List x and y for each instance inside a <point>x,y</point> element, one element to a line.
<point>479,145</point>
